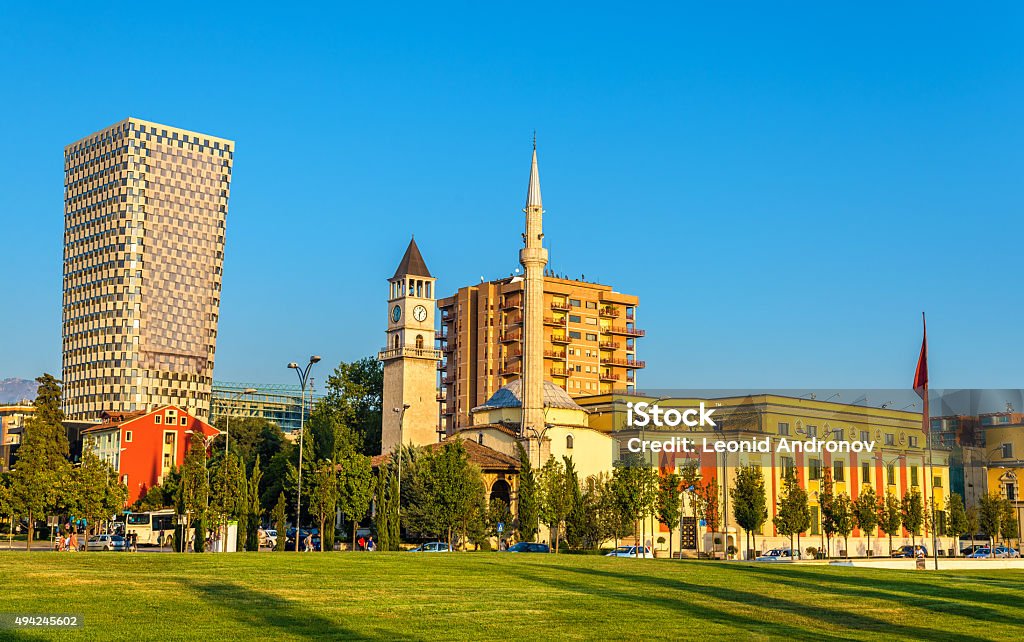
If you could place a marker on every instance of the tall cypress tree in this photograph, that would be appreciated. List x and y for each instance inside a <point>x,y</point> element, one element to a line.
<point>528,508</point>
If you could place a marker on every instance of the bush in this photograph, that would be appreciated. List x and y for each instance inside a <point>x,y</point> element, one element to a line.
<point>812,552</point>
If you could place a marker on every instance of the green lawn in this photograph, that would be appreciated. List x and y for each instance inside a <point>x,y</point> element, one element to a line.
<point>275,596</point>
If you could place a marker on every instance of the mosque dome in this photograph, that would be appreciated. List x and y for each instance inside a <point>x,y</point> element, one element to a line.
<point>511,396</point>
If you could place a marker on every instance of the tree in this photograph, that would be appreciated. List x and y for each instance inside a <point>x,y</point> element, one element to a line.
<point>689,474</point>
<point>528,508</point>
<point>750,504</point>
<point>498,512</point>
<point>912,514</point>
<point>576,519</point>
<point>386,520</point>
<point>279,516</point>
<point>42,474</point>
<point>253,508</point>
<point>1008,526</point>
<point>708,493</point>
<point>96,492</point>
<point>793,516</point>
<point>635,487</point>
<point>355,488</point>
<point>323,497</point>
<point>227,497</point>
<point>865,513</point>
<point>844,518</point>
<point>827,503</point>
<point>957,524</point>
<point>556,499</point>
<point>669,507</point>
<point>194,492</point>
<point>354,395</point>
<point>889,516</point>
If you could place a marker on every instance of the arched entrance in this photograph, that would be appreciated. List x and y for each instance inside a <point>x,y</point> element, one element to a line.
<point>501,490</point>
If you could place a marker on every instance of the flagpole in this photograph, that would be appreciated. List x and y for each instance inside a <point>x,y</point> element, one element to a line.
<point>926,425</point>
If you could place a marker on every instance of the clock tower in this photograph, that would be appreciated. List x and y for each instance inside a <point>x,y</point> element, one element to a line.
<point>410,358</point>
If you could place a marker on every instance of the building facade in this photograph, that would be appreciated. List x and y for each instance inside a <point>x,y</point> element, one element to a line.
<point>144,446</point>
<point>897,464</point>
<point>145,209</point>
<point>1004,464</point>
<point>277,403</point>
<point>12,425</point>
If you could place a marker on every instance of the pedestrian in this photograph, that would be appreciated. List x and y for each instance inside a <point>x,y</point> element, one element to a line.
<point>370,546</point>
<point>74,541</point>
<point>362,543</point>
<point>307,544</point>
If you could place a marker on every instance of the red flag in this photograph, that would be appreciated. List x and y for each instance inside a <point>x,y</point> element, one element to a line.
<point>921,376</point>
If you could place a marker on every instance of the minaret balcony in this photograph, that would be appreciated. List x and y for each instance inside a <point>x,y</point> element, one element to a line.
<point>562,307</point>
<point>629,332</point>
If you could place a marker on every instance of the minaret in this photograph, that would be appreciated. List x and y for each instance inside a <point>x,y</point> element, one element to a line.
<point>533,257</point>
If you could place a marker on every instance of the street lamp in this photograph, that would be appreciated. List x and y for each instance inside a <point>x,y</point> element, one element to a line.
<point>401,420</point>
<point>227,417</point>
<point>303,374</point>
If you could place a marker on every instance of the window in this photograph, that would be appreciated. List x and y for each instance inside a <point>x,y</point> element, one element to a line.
<point>937,482</point>
<point>568,442</point>
<point>184,421</point>
<point>480,438</point>
<point>912,440</point>
<point>812,431</point>
<point>419,341</point>
<point>865,473</point>
<point>913,476</point>
<point>1007,451</point>
<point>784,429</point>
<point>788,466</point>
<point>838,471</point>
<point>839,434</point>
<point>574,334</point>
<point>814,467</point>
<point>890,439</point>
<point>865,436</point>
<point>890,474</point>
<point>158,419</point>
<point>127,435</point>
<point>574,318</point>
<point>575,303</point>
<point>591,337</point>
<point>169,438</point>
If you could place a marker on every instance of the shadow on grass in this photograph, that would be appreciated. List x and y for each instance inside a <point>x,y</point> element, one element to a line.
<point>914,591</point>
<point>829,618</point>
<point>273,614</point>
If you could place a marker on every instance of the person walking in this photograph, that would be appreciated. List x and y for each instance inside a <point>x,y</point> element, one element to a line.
<point>370,545</point>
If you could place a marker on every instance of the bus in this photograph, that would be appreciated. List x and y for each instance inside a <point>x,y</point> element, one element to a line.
<point>155,528</point>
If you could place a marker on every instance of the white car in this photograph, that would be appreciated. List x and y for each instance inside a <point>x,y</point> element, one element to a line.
<point>776,555</point>
<point>631,551</point>
<point>432,547</point>
<point>268,537</point>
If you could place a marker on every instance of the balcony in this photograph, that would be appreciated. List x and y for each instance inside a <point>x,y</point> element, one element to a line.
<point>607,376</point>
<point>422,353</point>
<point>630,314</point>
<point>609,345</point>
<point>514,353</point>
<point>626,363</point>
<point>442,365</point>
<point>448,348</point>
<point>509,370</point>
<point>554,354</point>
<point>559,372</point>
<point>512,304</point>
<point>559,338</point>
<point>560,307</point>
<point>441,397</point>
<point>509,337</point>
<point>621,329</point>
<point>609,312</point>
<point>447,381</point>
<point>559,321</point>
<point>516,319</point>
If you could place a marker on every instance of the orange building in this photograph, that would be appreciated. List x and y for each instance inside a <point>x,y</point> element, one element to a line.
<point>590,338</point>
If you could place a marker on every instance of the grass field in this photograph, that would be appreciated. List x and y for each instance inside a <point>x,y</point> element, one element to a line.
<point>497,596</point>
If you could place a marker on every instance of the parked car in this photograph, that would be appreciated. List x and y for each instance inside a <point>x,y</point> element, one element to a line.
<point>967,551</point>
<point>911,551</point>
<point>289,542</point>
<point>528,547</point>
<point>1000,552</point>
<point>631,551</point>
<point>776,555</point>
<point>268,537</point>
<point>107,543</point>
<point>432,547</point>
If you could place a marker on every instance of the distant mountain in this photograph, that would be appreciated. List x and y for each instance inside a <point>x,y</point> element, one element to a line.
<point>15,390</point>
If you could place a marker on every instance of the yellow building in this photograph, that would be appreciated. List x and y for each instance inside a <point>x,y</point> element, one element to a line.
<point>897,463</point>
<point>1004,458</point>
<point>12,426</point>
<point>145,209</point>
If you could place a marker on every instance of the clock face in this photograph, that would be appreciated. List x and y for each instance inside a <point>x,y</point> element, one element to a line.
<point>396,314</point>
<point>419,313</point>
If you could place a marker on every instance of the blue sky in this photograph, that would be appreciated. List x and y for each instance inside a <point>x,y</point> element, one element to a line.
<point>786,186</point>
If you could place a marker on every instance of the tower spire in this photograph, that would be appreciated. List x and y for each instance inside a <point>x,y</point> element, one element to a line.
<point>533,192</point>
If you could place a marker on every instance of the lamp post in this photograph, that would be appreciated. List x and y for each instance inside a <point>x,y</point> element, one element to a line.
<point>401,420</point>
<point>303,374</point>
<point>227,417</point>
